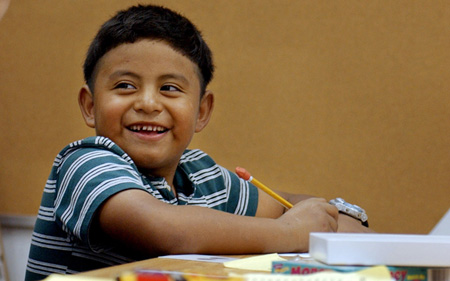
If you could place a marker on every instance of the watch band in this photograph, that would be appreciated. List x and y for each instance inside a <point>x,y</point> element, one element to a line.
<point>352,210</point>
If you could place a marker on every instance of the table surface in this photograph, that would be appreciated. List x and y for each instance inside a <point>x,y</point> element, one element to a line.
<point>166,264</point>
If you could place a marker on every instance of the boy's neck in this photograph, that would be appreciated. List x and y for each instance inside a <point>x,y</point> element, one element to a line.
<point>169,179</point>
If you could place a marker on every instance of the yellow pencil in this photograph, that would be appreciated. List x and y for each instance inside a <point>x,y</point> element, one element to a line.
<point>245,175</point>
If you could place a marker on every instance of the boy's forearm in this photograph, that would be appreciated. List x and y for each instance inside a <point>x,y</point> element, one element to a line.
<point>223,233</point>
<point>159,228</point>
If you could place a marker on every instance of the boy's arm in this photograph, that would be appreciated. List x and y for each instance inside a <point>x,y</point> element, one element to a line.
<point>136,219</point>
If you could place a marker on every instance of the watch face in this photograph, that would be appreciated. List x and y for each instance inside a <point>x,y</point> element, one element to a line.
<point>351,206</point>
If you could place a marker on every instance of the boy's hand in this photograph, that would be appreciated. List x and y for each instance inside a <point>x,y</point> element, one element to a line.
<point>310,215</point>
<point>315,214</point>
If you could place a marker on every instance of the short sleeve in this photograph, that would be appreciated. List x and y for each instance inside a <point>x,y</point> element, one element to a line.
<point>87,177</point>
<point>215,186</point>
<point>243,196</point>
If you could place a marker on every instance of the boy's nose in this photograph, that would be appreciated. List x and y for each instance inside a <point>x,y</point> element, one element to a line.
<point>148,101</point>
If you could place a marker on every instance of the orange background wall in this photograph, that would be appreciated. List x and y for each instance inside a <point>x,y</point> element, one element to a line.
<point>332,98</point>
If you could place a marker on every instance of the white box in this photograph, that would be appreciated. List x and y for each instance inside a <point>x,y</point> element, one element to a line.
<point>380,249</point>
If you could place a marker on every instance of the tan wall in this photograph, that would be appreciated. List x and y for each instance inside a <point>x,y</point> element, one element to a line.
<point>333,98</point>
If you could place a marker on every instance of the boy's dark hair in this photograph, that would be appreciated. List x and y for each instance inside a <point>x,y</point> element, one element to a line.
<point>155,23</point>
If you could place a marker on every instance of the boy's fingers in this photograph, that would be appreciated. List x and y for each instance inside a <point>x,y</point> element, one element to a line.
<point>333,216</point>
<point>333,224</point>
<point>333,211</point>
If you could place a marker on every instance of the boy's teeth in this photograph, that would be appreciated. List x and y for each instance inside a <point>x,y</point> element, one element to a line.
<point>147,128</point>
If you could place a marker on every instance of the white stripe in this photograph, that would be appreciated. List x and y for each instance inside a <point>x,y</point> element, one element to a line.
<point>192,156</point>
<point>50,186</point>
<point>42,270</point>
<point>243,198</point>
<point>205,175</point>
<point>77,191</point>
<point>94,194</point>
<point>51,242</point>
<point>210,198</point>
<point>46,213</point>
<point>55,238</point>
<point>45,268</point>
<point>226,180</point>
<point>50,246</point>
<point>72,169</point>
<point>57,160</point>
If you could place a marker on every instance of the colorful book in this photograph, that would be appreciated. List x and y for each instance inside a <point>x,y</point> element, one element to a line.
<point>309,265</point>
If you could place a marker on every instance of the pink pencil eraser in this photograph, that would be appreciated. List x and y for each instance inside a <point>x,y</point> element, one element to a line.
<point>243,173</point>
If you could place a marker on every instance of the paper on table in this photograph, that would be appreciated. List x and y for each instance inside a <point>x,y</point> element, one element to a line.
<point>61,277</point>
<point>376,273</point>
<point>194,257</point>
<point>261,263</point>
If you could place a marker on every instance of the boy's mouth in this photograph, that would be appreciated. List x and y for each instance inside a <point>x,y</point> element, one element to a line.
<point>147,129</point>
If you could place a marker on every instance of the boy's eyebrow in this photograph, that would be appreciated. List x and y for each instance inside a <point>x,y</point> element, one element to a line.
<point>120,73</point>
<point>175,76</point>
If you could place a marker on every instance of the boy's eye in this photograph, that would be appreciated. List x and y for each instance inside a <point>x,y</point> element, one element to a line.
<point>169,88</point>
<point>124,86</point>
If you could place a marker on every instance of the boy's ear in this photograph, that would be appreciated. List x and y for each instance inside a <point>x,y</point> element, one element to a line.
<point>86,103</point>
<point>205,112</point>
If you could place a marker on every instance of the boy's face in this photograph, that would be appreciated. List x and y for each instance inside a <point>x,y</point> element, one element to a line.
<point>147,100</point>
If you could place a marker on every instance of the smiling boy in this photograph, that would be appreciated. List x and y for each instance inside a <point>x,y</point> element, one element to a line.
<point>134,191</point>
<point>150,112</point>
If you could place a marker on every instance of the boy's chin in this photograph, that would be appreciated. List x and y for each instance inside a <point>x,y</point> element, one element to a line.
<point>153,166</point>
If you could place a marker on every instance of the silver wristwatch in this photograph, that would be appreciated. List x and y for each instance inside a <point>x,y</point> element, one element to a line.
<point>351,210</point>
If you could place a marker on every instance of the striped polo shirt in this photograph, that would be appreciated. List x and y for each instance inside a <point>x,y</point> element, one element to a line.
<point>88,172</point>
